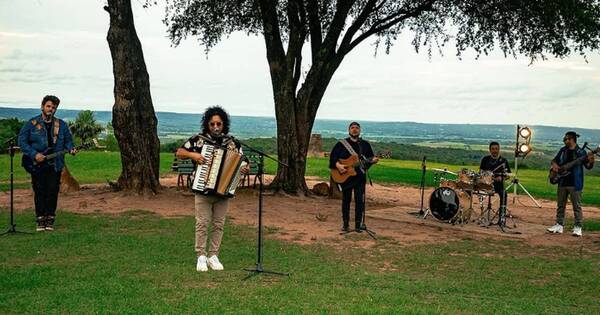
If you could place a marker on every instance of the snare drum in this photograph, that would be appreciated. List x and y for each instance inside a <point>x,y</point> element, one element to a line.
<point>485,181</point>
<point>448,183</point>
<point>466,179</point>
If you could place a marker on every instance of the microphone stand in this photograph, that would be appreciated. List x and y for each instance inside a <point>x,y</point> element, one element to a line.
<point>260,172</point>
<point>12,229</point>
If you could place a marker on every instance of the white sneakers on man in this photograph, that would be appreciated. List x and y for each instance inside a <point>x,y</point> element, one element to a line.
<point>577,231</point>
<point>201,264</point>
<point>557,228</point>
<point>214,263</point>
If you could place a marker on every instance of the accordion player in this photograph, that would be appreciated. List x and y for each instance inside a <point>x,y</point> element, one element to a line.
<point>220,174</point>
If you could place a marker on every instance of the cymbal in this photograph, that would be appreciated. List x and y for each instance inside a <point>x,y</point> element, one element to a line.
<point>439,170</point>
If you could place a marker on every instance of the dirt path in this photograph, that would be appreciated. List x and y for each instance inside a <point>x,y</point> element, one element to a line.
<point>318,219</point>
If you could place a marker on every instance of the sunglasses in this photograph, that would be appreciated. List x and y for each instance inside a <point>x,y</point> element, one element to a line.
<point>218,124</point>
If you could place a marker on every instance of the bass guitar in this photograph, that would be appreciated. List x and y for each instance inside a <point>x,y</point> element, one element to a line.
<point>565,169</point>
<point>34,167</point>
<point>350,164</point>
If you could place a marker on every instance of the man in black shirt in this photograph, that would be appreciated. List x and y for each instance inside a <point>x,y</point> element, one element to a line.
<point>353,145</point>
<point>499,166</point>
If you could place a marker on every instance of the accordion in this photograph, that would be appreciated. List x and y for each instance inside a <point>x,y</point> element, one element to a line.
<point>220,174</point>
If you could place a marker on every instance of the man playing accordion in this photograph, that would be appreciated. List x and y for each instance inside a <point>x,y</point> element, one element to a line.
<point>210,208</point>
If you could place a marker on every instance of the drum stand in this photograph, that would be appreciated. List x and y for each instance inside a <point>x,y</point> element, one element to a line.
<point>484,218</point>
<point>502,214</point>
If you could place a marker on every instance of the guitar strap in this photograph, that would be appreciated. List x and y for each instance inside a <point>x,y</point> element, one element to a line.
<point>56,128</point>
<point>348,147</point>
<point>352,152</point>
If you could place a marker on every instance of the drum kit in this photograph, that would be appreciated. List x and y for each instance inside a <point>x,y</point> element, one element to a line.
<point>452,201</point>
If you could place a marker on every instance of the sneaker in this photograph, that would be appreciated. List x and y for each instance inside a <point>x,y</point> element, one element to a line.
<point>557,228</point>
<point>49,223</point>
<point>214,263</point>
<point>345,228</point>
<point>201,264</point>
<point>40,224</point>
<point>577,231</point>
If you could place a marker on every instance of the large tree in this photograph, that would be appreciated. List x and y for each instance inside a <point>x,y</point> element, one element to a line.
<point>133,119</point>
<point>534,28</point>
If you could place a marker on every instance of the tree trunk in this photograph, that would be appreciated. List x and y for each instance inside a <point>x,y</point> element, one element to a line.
<point>134,120</point>
<point>295,114</point>
<point>293,136</point>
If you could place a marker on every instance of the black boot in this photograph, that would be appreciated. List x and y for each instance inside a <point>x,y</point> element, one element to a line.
<point>358,228</point>
<point>345,227</point>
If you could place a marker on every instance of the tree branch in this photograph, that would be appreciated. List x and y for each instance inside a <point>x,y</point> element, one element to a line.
<point>272,33</point>
<point>314,26</point>
<point>387,22</point>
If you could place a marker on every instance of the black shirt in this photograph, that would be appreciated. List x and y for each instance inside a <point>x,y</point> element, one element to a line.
<point>498,166</point>
<point>339,152</point>
<point>49,133</point>
<point>569,180</point>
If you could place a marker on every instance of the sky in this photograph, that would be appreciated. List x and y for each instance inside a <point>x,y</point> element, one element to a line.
<point>59,47</point>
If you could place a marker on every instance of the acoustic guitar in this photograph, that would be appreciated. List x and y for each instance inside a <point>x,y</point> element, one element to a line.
<point>350,164</point>
<point>565,169</point>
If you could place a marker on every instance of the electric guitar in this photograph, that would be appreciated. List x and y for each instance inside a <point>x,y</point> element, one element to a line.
<point>34,167</point>
<point>350,164</point>
<point>565,169</point>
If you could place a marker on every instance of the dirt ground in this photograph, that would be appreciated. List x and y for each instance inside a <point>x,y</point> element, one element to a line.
<point>318,219</point>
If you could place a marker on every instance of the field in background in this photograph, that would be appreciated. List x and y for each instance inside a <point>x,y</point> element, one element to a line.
<point>99,167</point>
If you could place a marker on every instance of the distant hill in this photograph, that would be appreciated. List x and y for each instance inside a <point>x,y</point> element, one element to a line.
<point>178,125</point>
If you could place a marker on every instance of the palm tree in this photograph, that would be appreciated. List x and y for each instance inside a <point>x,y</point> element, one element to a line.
<point>85,126</point>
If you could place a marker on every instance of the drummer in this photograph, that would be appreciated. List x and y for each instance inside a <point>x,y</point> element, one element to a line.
<point>499,167</point>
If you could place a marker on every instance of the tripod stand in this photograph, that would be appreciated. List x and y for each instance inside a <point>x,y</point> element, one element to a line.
<point>503,214</point>
<point>515,183</point>
<point>12,229</point>
<point>260,172</point>
<point>423,212</point>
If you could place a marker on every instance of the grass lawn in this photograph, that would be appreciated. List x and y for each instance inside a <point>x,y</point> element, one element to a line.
<point>140,263</point>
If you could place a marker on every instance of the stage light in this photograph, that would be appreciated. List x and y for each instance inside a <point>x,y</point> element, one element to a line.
<point>524,149</point>
<point>523,143</point>
<point>525,132</point>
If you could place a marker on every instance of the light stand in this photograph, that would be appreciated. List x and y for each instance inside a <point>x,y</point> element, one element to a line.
<point>515,183</point>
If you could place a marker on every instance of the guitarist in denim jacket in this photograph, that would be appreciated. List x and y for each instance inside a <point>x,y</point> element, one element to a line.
<point>356,183</point>
<point>571,184</point>
<point>42,135</point>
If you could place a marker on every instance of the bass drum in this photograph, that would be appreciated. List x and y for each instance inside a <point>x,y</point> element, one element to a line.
<point>444,203</point>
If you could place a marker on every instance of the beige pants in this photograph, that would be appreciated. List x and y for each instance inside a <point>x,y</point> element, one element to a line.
<point>210,210</point>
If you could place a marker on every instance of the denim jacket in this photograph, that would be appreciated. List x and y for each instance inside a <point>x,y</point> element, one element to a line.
<point>33,139</point>
<point>577,170</point>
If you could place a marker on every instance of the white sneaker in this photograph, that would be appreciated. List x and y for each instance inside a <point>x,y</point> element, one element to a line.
<point>577,231</point>
<point>214,263</point>
<point>557,228</point>
<point>201,264</point>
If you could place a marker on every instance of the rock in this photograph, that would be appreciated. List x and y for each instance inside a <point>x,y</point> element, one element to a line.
<point>321,189</point>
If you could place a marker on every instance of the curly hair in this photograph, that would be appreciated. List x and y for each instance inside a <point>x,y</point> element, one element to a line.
<point>55,100</point>
<point>212,111</point>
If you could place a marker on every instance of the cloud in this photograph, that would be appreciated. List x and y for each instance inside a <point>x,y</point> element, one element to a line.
<point>19,35</point>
